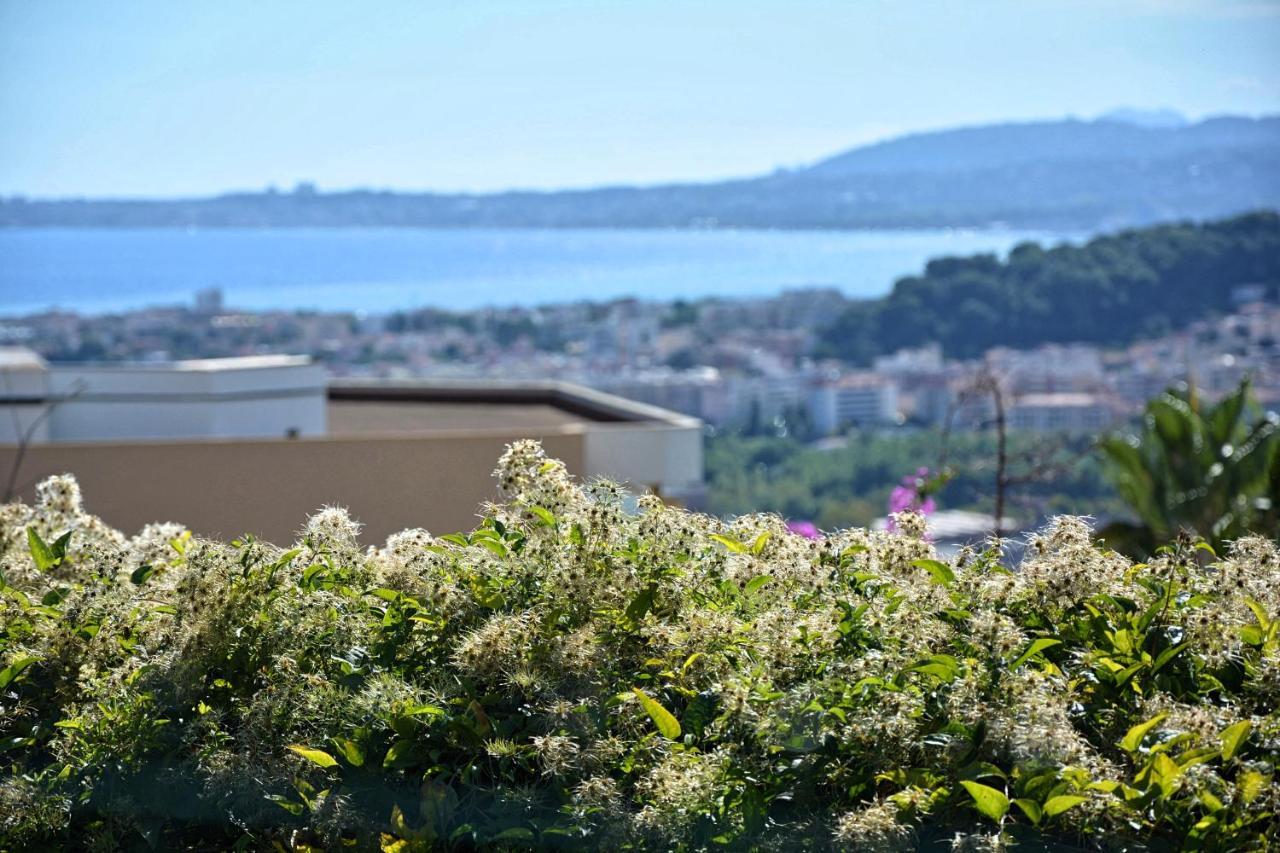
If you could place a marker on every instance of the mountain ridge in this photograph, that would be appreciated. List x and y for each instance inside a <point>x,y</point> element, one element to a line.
<point>1066,174</point>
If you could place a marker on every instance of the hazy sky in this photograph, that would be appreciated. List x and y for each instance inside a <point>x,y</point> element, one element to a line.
<point>169,97</point>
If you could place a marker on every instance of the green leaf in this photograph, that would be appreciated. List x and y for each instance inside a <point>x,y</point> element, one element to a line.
<point>640,605</point>
<point>992,803</point>
<point>1167,655</point>
<point>546,516</point>
<point>1036,647</point>
<point>755,583</point>
<point>493,545</point>
<point>1259,613</point>
<point>940,572</point>
<point>1057,805</point>
<point>1233,736</point>
<point>1031,809</point>
<point>668,725</point>
<point>515,833</point>
<point>40,552</point>
<point>1133,738</point>
<point>350,750</point>
<point>142,574</point>
<point>761,541</point>
<point>292,807</point>
<point>399,755</point>
<point>732,544</point>
<point>13,670</point>
<point>315,756</point>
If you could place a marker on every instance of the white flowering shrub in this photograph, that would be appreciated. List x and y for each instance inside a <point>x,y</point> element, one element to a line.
<point>572,675</point>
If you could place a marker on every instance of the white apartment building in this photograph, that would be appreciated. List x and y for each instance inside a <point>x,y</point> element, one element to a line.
<point>1063,412</point>
<point>862,399</point>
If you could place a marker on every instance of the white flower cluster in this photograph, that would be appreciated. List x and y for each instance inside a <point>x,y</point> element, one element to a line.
<point>518,656</point>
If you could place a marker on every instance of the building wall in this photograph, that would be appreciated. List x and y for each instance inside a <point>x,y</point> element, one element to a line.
<point>833,407</point>
<point>268,488</point>
<point>108,403</point>
<point>658,457</point>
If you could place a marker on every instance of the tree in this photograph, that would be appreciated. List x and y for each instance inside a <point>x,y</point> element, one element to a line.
<point>1213,470</point>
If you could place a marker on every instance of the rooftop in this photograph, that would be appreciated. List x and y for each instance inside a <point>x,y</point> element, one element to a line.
<point>1059,399</point>
<point>20,358</point>
<point>369,407</point>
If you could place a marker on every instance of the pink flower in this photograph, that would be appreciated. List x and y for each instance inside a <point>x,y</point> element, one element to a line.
<point>807,529</point>
<point>910,496</point>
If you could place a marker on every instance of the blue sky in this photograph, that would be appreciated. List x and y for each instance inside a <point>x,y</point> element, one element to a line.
<point>162,98</point>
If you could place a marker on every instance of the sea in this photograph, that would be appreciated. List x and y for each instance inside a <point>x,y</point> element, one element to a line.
<point>373,271</point>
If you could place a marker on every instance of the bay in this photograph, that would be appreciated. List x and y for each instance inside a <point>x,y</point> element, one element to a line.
<point>379,270</point>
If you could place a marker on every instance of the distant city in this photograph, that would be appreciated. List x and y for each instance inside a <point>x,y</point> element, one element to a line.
<point>744,364</point>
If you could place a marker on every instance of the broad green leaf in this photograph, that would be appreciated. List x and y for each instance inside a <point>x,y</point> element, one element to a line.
<point>315,756</point>
<point>1031,809</point>
<point>1036,647</point>
<point>641,603</point>
<point>351,751</point>
<point>1057,805</point>
<point>13,670</point>
<point>141,574</point>
<point>1167,655</point>
<point>732,544</point>
<point>1259,613</point>
<point>40,551</point>
<point>1233,736</point>
<point>668,725</point>
<point>940,572</point>
<point>761,541</point>
<point>755,583</point>
<point>398,755</point>
<point>515,833</point>
<point>544,515</point>
<point>690,661</point>
<point>937,670</point>
<point>493,545</point>
<point>1133,738</point>
<point>992,803</point>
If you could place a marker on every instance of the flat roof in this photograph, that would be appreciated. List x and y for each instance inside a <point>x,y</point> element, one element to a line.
<point>21,358</point>
<point>1059,399</point>
<point>191,365</point>
<point>408,405</point>
<point>362,417</point>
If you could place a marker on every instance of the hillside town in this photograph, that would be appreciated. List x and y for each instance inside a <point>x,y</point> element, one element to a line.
<point>746,364</point>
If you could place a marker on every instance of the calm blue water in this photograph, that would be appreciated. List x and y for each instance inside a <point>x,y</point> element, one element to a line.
<point>94,270</point>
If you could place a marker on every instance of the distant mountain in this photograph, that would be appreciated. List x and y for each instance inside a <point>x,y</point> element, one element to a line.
<point>1146,118</point>
<point>1070,144</point>
<point>1127,168</point>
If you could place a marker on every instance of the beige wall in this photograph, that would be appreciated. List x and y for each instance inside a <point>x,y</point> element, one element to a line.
<point>224,488</point>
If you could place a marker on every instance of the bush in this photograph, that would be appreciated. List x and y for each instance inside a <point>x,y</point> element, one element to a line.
<point>573,675</point>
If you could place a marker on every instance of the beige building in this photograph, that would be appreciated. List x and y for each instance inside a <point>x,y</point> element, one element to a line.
<point>413,454</point>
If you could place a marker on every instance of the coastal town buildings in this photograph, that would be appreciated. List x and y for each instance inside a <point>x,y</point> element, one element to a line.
<point>750,364</point>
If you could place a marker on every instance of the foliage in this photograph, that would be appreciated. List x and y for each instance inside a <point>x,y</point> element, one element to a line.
<point>571,675</point>
<point>1214,470</point>
<point>850,485</point>
<point>1112,290</point>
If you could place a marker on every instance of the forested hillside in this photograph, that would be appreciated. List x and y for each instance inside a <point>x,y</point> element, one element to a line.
<point>1112,289</point>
